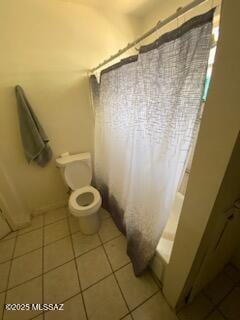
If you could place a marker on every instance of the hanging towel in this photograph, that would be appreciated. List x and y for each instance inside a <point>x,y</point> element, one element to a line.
<point>34,139</point>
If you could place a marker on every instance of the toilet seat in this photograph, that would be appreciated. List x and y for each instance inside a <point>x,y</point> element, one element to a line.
<point>79,210</point>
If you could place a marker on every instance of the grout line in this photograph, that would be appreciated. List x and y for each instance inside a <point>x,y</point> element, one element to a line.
<point>52,242</point>
<point>123,266</point>
<point>38,315</point>
<point>89,250</point>
<point>24,254</point>
<point>74,258</point>
<point>47,244</point>
<point>62,301</point>
<point>209,313</point>
<point>17,257</point>
<point>212,312</point>
<point>222,314</point>
<point>9,272</point>
<point>115,278</point>
<point>26,281</point>
<point>97,282</point>
<point>115,237</point>
<point>38,227</point>
<point>86,252</point>
<point>140,304</point>
<point>155,279</point>
<point>58,220</point>
<point>128,314</point>
<point>109,275</point>
<point>34,228</point>
<point>114,271</point>
<point>76,267</point>
<point>227,274</point>
<point>216,305</point>
<point>8,239</point>
<point>29,231</point>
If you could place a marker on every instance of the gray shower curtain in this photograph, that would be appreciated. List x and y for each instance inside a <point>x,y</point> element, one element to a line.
<point>147,107</point>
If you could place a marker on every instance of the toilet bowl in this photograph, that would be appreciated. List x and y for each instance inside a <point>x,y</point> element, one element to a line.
<point>84,204</point>
<point>85,200</point>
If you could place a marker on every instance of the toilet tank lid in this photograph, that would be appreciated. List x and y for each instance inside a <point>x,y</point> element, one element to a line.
<point>66,159</point>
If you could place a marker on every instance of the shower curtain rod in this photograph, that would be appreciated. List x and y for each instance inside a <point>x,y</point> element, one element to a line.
<point>180,11</point>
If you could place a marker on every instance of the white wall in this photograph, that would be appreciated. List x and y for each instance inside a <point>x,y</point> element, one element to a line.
<point>164,9</point>
<point>218,132</point>
<point>222,233</point>
<point>47,47</point>
<point>11,204</point>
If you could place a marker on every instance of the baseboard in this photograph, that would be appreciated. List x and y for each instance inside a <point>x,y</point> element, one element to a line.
<point>49,207</point>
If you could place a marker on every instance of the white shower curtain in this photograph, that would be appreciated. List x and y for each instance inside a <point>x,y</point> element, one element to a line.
<point>147,107</point>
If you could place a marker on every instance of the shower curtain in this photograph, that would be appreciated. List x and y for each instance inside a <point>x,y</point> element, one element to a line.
<point>146,111</point>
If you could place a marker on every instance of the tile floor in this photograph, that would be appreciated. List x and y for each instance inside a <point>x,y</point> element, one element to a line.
<point>52,262</point>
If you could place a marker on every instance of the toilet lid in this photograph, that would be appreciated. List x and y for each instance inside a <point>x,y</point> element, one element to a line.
<point>77,175</point>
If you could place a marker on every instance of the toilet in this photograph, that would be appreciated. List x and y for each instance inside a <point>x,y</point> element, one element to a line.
<point>85,200</point>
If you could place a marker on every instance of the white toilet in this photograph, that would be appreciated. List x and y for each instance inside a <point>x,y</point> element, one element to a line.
<point>85,200</point>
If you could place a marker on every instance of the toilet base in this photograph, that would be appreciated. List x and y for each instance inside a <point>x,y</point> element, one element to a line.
<point>89,224</point>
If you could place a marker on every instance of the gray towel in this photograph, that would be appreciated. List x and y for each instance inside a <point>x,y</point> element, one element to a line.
<point>33,136</point>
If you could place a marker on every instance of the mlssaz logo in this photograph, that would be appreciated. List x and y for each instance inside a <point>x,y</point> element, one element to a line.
<point>48,307</point>
<point>34,306</point>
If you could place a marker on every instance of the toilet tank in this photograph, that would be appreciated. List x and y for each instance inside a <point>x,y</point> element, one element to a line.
<point>76,169</point>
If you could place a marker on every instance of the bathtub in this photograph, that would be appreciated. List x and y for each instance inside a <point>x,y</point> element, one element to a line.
<point>164,248</point>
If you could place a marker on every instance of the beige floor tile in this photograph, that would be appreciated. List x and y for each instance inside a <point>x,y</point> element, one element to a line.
<point>73,310</point>
<point>4,271</point>
<point>2,298</point>
<point>232,272</point>
<point>55,215</point>
<point>26,267</point>
<point>92,267</point>
<point>28,242</point>
<point>104,214</point>
<point>57,253</point>
<point>216,315</point>
<point>37,222</point>
<point>74,224</point>
<point>116,251</point>
<point>219,288</point>
<point>29,292</point>
<point>230,306</point>
<point>108,230</point>
<point>197,310</point>
<point>6,249</point>
<point>104,301</point>
<point>40,317</point>
<point>128,317</point>
<point>55,231</point>
<point>154,309</point>
<point>135,289</point>
<point>61,283</point>
<point>83,243</point>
